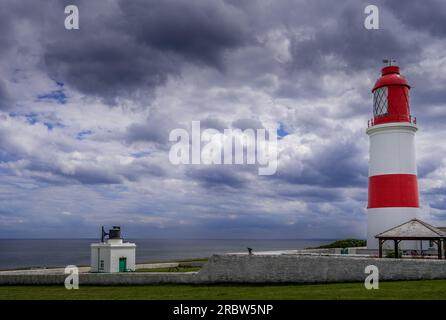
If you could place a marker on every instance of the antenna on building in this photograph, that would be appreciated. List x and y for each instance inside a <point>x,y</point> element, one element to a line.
<point>103,234</point>
<point>113,233</point>
<point>389,61</point>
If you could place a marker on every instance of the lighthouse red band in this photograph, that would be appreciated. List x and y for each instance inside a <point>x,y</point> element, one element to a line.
<point>393,190</point>
<point>393,186</point>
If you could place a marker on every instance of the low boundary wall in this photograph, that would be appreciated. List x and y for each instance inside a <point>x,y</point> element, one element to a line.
<point>239,268</point>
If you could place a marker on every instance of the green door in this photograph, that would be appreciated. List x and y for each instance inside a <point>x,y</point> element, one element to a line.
<point>122,264</point>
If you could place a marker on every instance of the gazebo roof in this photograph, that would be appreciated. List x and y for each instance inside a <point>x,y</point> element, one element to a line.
<point>413,229</point>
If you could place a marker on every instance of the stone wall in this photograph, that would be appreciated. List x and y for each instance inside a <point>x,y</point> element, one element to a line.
<point>316,268</point>
<point>130,278</point>
<point>259,269</point>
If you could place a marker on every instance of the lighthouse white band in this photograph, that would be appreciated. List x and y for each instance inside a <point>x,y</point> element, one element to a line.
<point>382,219</point>
<point>392,149</point>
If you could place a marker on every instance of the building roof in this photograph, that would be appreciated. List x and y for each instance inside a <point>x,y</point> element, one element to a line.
<point>413,229</point>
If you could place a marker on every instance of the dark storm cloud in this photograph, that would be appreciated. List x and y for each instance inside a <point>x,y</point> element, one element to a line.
<point>104,67</point>
<point>268,226</point>
<point>244,124</point>
<point>95,176</point>
<point>156,129</point>
<point>6,34</point>
<point>428,104</point>
<point>5,97</point>
<point>316,195</point>
<point>141,43</point>
<point>198,30</point>
<point>436,197</point>
<point>86,174</point>
<point>325,39</point>
<point>213,123</point>
<point>428,165</point>
<point>426,95</point>
<point>427,15</point>
<point>217,176</point>
<point>439,204</point>
<point>349,43</point>
<point>90,174</point>
<point>335,165</point>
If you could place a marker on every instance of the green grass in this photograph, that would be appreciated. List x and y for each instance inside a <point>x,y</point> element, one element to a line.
<point>169,269</point>
<point>192,260</point>
<point>179,260</point>
<point>429,289</point>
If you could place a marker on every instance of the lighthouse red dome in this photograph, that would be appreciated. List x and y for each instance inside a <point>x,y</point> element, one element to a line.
<point>391,97</point>
<point>390,76</point>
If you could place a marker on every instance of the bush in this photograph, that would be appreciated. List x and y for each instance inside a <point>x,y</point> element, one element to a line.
<point>392,254</point>
<point>346,243</point>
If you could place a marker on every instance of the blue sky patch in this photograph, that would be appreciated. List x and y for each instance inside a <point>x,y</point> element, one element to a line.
<point>281,132</point>
<point>32,117</point>
<point>52,125</point>
<point>56,96</point>
<point>83,134</point>
<point>140,154</point>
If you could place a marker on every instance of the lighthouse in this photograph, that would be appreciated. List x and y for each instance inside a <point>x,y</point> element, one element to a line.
<point>393,186</point>
<point>112,254</point>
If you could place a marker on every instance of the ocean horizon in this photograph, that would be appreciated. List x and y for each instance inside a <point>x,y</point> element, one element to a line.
<point>39,253</point>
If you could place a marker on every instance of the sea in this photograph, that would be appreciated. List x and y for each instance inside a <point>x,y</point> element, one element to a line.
<point>38,253</point>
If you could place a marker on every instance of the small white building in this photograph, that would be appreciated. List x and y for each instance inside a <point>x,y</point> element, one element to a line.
<point>112,255</point>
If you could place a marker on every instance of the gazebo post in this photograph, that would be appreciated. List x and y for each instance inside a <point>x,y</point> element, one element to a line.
<point>444,247</point>
<point>395,242</point>
<point>380,247</point>
<point>439,248</point>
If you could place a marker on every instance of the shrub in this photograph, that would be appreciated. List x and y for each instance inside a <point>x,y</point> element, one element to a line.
<point>346,243</point>
<point>392,254</point>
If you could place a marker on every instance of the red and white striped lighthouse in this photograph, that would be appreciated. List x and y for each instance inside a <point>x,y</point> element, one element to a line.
<point>393,186</point>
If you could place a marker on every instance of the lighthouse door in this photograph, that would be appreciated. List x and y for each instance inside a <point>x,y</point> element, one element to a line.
<point>122,264</point>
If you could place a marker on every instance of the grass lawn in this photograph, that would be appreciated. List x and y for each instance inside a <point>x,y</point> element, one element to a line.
<point>178,260</point>
<point>429,289</point>
<point>169,269</point>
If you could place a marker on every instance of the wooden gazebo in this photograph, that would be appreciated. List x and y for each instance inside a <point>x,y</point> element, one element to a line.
<point>413,230</point>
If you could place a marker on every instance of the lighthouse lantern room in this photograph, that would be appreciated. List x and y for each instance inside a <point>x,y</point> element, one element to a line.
<point>393,186</point>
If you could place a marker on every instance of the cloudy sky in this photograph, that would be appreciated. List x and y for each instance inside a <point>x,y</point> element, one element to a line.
<point>85,114</point>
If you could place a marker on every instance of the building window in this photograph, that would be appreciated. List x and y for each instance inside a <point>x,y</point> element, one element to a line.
<point>101,265</point>
<point>380,102</point>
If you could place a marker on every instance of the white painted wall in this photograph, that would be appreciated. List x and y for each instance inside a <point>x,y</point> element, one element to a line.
<point>110,253</point>
<point>392,149</point>
<point>122,252</point>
